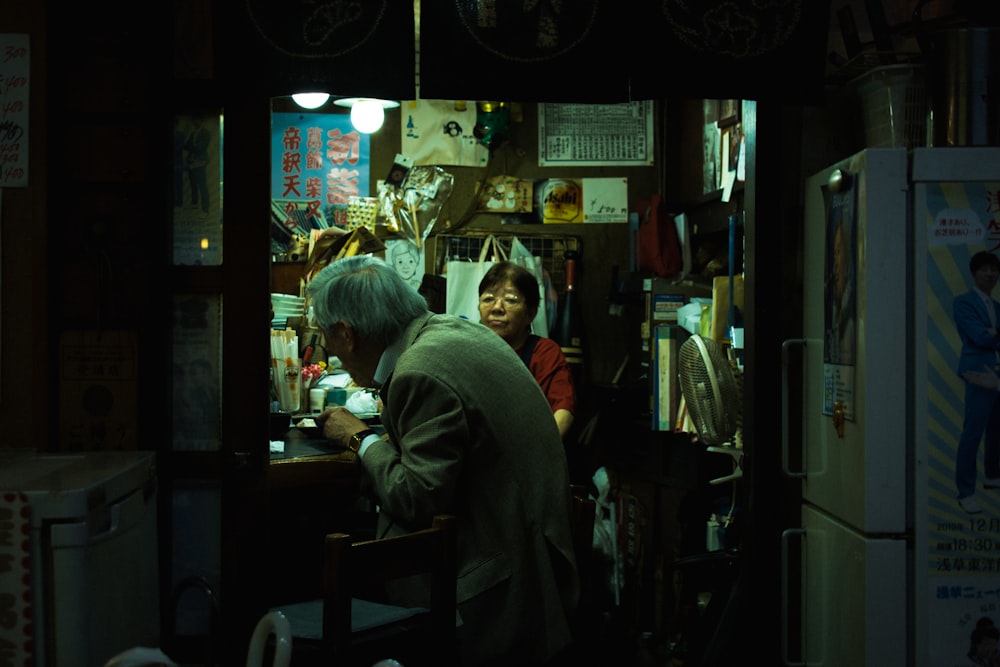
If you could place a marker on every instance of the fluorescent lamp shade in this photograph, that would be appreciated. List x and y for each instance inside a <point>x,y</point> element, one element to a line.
<point>367,114</point>
<point>310,100</point>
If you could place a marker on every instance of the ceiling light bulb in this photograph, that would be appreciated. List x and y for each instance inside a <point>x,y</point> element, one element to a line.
<point>310,100</point>
<point>367,115</point>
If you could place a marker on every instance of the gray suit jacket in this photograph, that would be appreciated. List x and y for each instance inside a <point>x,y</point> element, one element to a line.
<point>471,434</point>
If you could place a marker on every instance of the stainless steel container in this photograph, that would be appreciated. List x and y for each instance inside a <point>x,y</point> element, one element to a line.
<point>964,79</point>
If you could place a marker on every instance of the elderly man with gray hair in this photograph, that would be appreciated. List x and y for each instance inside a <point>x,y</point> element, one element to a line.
<point>469,433</point>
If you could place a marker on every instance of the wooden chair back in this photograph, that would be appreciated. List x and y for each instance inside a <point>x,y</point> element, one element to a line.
<point>352,569</point>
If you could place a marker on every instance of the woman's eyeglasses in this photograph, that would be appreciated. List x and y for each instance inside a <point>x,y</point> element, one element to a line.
<point>509,300</point>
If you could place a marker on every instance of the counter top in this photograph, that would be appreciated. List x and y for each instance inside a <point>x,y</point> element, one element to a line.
<point>299,445</point>
<point>307,460</point>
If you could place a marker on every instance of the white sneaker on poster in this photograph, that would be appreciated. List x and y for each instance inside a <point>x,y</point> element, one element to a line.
<point>970,505</point>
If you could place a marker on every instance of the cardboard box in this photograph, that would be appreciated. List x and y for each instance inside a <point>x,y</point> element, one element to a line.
<point>720,305</point>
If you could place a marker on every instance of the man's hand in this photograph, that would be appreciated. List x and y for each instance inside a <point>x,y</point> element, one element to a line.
<point>339,424</point>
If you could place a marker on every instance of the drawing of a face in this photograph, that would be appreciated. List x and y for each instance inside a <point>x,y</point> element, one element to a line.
<point>405,262</point>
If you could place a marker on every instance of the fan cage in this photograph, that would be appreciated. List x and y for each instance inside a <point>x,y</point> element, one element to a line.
<point>709,389</point>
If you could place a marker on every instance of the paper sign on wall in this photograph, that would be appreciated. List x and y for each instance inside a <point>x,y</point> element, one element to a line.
<point>435,132</point>
<point>505,194</point>
<point>14,118</point>
<point>98,404</point>
<point>563,200</point>
<point>596,135</point>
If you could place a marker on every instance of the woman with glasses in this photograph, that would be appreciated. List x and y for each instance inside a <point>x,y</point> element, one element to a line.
<point>508,302</point>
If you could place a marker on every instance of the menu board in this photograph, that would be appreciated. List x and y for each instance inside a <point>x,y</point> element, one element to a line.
<point>14,81</point>
<point>595,135</point>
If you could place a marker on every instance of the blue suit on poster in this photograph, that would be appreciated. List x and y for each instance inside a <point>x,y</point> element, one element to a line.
<point>980,346</point>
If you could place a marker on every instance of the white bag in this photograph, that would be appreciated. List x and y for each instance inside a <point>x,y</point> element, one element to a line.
<point>520,255</point>
<point>463,278</point>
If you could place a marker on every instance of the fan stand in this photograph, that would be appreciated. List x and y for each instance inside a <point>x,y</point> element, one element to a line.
<point>737,455</point>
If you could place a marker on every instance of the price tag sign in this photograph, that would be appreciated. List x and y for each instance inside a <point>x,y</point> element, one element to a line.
<point>14,72</point>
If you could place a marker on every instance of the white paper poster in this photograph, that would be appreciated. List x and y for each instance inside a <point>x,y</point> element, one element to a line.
<point>965,617</point>
<point>434,132</point>
<point>14,86</point>
<point>595,135</point>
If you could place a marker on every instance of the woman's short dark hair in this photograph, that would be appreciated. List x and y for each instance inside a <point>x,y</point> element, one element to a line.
<point>522,279</point>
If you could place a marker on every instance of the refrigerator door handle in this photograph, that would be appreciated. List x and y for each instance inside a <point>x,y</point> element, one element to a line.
<point>786,537</point>
<point>785,465</point>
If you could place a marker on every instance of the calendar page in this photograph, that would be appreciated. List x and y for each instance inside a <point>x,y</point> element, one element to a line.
<point>595,135</point>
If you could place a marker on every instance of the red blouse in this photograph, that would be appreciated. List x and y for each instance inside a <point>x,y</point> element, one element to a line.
<point>553,374</point>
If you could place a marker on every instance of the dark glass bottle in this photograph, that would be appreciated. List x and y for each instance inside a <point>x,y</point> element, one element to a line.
<point>568,331</point>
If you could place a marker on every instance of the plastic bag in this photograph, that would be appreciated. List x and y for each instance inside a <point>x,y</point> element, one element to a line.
<point>463,278</point>
<point>412,207</point>
<point>520,255</point>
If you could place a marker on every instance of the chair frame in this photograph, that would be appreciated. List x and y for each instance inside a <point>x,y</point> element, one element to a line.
<point>351,568</point>
<point>583,513</point>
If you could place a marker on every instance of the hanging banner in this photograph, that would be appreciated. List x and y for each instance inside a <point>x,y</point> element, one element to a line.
<point>319,162</point>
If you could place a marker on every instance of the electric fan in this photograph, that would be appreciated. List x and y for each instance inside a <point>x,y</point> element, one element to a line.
<point>711,392</point>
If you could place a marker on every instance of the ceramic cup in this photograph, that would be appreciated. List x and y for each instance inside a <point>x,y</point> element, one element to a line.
<point>317,399</point>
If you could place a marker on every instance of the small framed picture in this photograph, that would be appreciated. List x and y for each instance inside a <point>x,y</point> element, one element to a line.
<point>735,143</point>
<point>710,111</point>
<point>731,141</point>
<point>729,112</point>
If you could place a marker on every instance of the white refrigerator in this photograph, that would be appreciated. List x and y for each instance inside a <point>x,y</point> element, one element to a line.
<point>78,556</point>
<point>885,568</point>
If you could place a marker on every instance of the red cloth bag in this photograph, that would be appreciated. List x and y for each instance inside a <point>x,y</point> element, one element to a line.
<point>658,246</point>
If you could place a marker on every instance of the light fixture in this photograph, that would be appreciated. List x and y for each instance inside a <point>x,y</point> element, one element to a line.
<point>367,113</point>
<point>310,100</point>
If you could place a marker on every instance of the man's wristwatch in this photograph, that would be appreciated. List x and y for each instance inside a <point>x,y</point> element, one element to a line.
<point>354,444</point>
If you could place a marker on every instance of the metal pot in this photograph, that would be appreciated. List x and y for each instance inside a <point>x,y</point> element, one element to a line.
<point>963,74</point>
